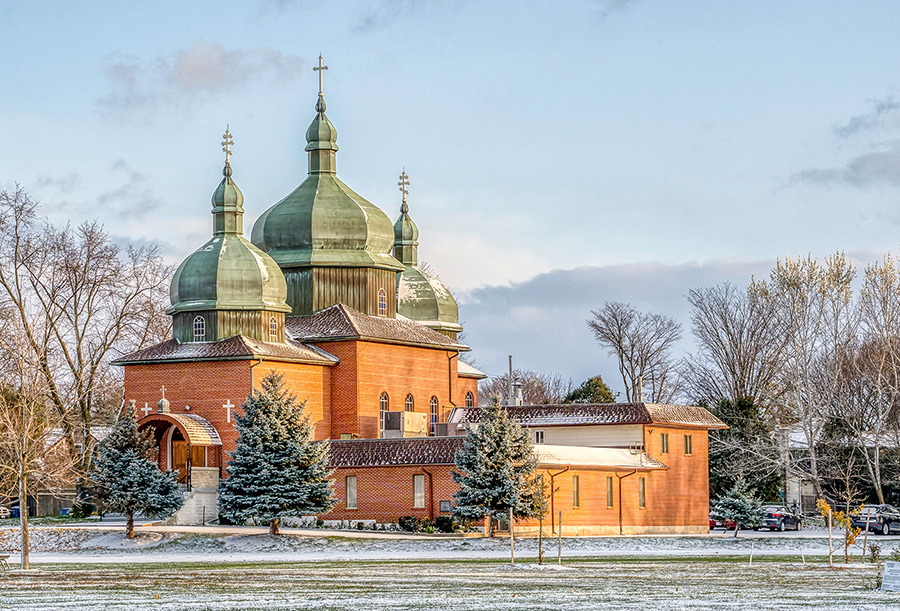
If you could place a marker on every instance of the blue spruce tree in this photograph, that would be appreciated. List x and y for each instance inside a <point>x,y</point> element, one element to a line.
<point>496,468</point>
<point>128,481</point>
<point>276,470</point>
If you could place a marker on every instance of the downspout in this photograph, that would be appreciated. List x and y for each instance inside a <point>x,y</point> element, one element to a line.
<point>251,374</point>
<point>552,493</point>
<point>430,493</point>
<point>621,477</point>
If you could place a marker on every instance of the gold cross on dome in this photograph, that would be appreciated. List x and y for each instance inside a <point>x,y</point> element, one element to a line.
<point>404,184</point>
<point>319,69</point>
<point>227,143</point>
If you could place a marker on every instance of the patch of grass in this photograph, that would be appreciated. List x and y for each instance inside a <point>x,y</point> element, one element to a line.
<point>49,520</point>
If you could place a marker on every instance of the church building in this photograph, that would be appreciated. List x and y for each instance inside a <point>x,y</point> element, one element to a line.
<point>329,293</point>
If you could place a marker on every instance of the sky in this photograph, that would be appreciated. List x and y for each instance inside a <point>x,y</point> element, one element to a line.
<point>561,154</point>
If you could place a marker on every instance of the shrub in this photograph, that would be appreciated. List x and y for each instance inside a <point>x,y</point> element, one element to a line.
<point>446,524</point>
<point>874,552</point>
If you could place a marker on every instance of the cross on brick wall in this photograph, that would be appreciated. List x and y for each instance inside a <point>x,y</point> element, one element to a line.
<point>146,409</point>
<point>228,405</point>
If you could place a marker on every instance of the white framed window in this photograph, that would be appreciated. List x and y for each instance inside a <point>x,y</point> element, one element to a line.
<point>539,436</point>
<point>433,404</point>
<point>382,302</point>
<point>576,493</point>
<point>273,326</point>
<point>350,485</point>
<point>418,491</point>
<point>384,404</point>
<point>409,403</point>
<point>199,328</point>
<point>470,399</point>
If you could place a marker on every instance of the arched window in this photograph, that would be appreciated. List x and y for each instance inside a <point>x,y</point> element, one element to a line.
<point>273,326</point>
<point>434,413</point>
<point>410,404</point>
<point>470,399</point>
<point>199,328</point>
<point>384,404</point>
<point>382,302</point>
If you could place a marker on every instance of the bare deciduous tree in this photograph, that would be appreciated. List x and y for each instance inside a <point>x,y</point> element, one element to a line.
<point>738,346</point>
<point>537,388</point>
<point>642,344</point>
<point>77,300</point>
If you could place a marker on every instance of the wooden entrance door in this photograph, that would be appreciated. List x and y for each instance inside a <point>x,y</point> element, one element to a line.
<point>180,458</point>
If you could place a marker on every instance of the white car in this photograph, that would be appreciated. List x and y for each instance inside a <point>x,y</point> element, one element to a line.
<point>4,512</point>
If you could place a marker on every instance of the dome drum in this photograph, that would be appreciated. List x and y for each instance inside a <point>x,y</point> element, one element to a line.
<point>215,325</point>
<point>315,288</point>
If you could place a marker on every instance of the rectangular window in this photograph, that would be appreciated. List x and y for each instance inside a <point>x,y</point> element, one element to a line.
<point>350,483</point>
<point>539,436</point>
<point>446,506</point>
<point>688,445</point>
<point>609,492</point>
<point>418,491</point>
<point>642,492</point>
<point>575,492</point>
<point>664,443</point>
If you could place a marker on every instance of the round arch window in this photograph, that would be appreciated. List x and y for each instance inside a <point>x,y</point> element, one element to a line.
<point>410,403</point>
<point>384,405</point>
<point>382,302</point>
<point>273,326</point>
<point>199,328</point>
<point>433,404</point>
<point>470,399</point>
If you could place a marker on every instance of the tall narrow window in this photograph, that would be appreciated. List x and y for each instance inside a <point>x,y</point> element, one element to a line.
<point>663,443</point>
<point>575,492</point>
<point>199,329</point>
<point>470,399</point>
<point>382,302</point>
<point>273,326</point>
<point>642,492</point>
<point>418,491</point>
<point>384,405</point>
<point>350,483</point>
<point>539,436</point>
<point>410,404</point>
<point>609,492</point>
<point>434,413</point>
<point>688,445</point>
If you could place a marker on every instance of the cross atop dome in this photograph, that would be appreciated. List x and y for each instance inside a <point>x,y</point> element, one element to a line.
<point>227,143</point>
<point>404,189</point>
<point>319,69</point>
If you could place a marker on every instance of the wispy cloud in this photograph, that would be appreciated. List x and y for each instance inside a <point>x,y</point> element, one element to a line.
<point>384,12</point>
<point>865,170</point>
<point>200,71</point>
<point>132,199</point>
<point>611,7</point>
<point>885,115</point>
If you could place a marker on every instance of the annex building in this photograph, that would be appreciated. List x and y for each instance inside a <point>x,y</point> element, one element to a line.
<point>328,292</point>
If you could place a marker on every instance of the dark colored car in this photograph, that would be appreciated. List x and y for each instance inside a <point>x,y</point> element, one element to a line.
<point>779,517</point>
<point>882,519</point>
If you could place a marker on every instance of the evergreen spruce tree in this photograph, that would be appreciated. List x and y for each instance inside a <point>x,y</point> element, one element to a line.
<point>128,481</point>
<point>496,468</point>
<point>738,505</point>
<point>276,470</point>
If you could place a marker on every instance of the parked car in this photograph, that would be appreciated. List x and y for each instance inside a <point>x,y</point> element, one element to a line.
<point>4,512</point>
<point>882,519</point>
<point>779,517</point>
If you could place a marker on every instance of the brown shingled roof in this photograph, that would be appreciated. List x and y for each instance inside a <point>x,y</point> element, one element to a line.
<point>382,452</point>
<point>574,414</point>
<point>237,347</point>
<point>340,322</point>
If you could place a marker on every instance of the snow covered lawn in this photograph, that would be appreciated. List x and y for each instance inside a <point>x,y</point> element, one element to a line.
<point>485,585</point>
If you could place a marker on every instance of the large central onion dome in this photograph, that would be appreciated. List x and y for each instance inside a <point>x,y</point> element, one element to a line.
<point>333,245</point>
<point>228,286</point>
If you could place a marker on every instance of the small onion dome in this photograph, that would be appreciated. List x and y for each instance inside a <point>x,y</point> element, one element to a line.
<point>228,272</point>
<point>427,301</point>
<point>163,406</point>
<point>323,222</point>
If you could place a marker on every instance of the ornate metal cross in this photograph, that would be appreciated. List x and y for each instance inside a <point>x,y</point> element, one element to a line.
<point>404,184</point>
<point>319,69</point>
<point>227,143</point>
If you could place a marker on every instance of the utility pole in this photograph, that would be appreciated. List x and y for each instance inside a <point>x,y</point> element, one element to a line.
<point>509,383</point>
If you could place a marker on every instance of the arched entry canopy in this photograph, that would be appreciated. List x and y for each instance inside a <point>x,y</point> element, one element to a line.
<point>186,443</point>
